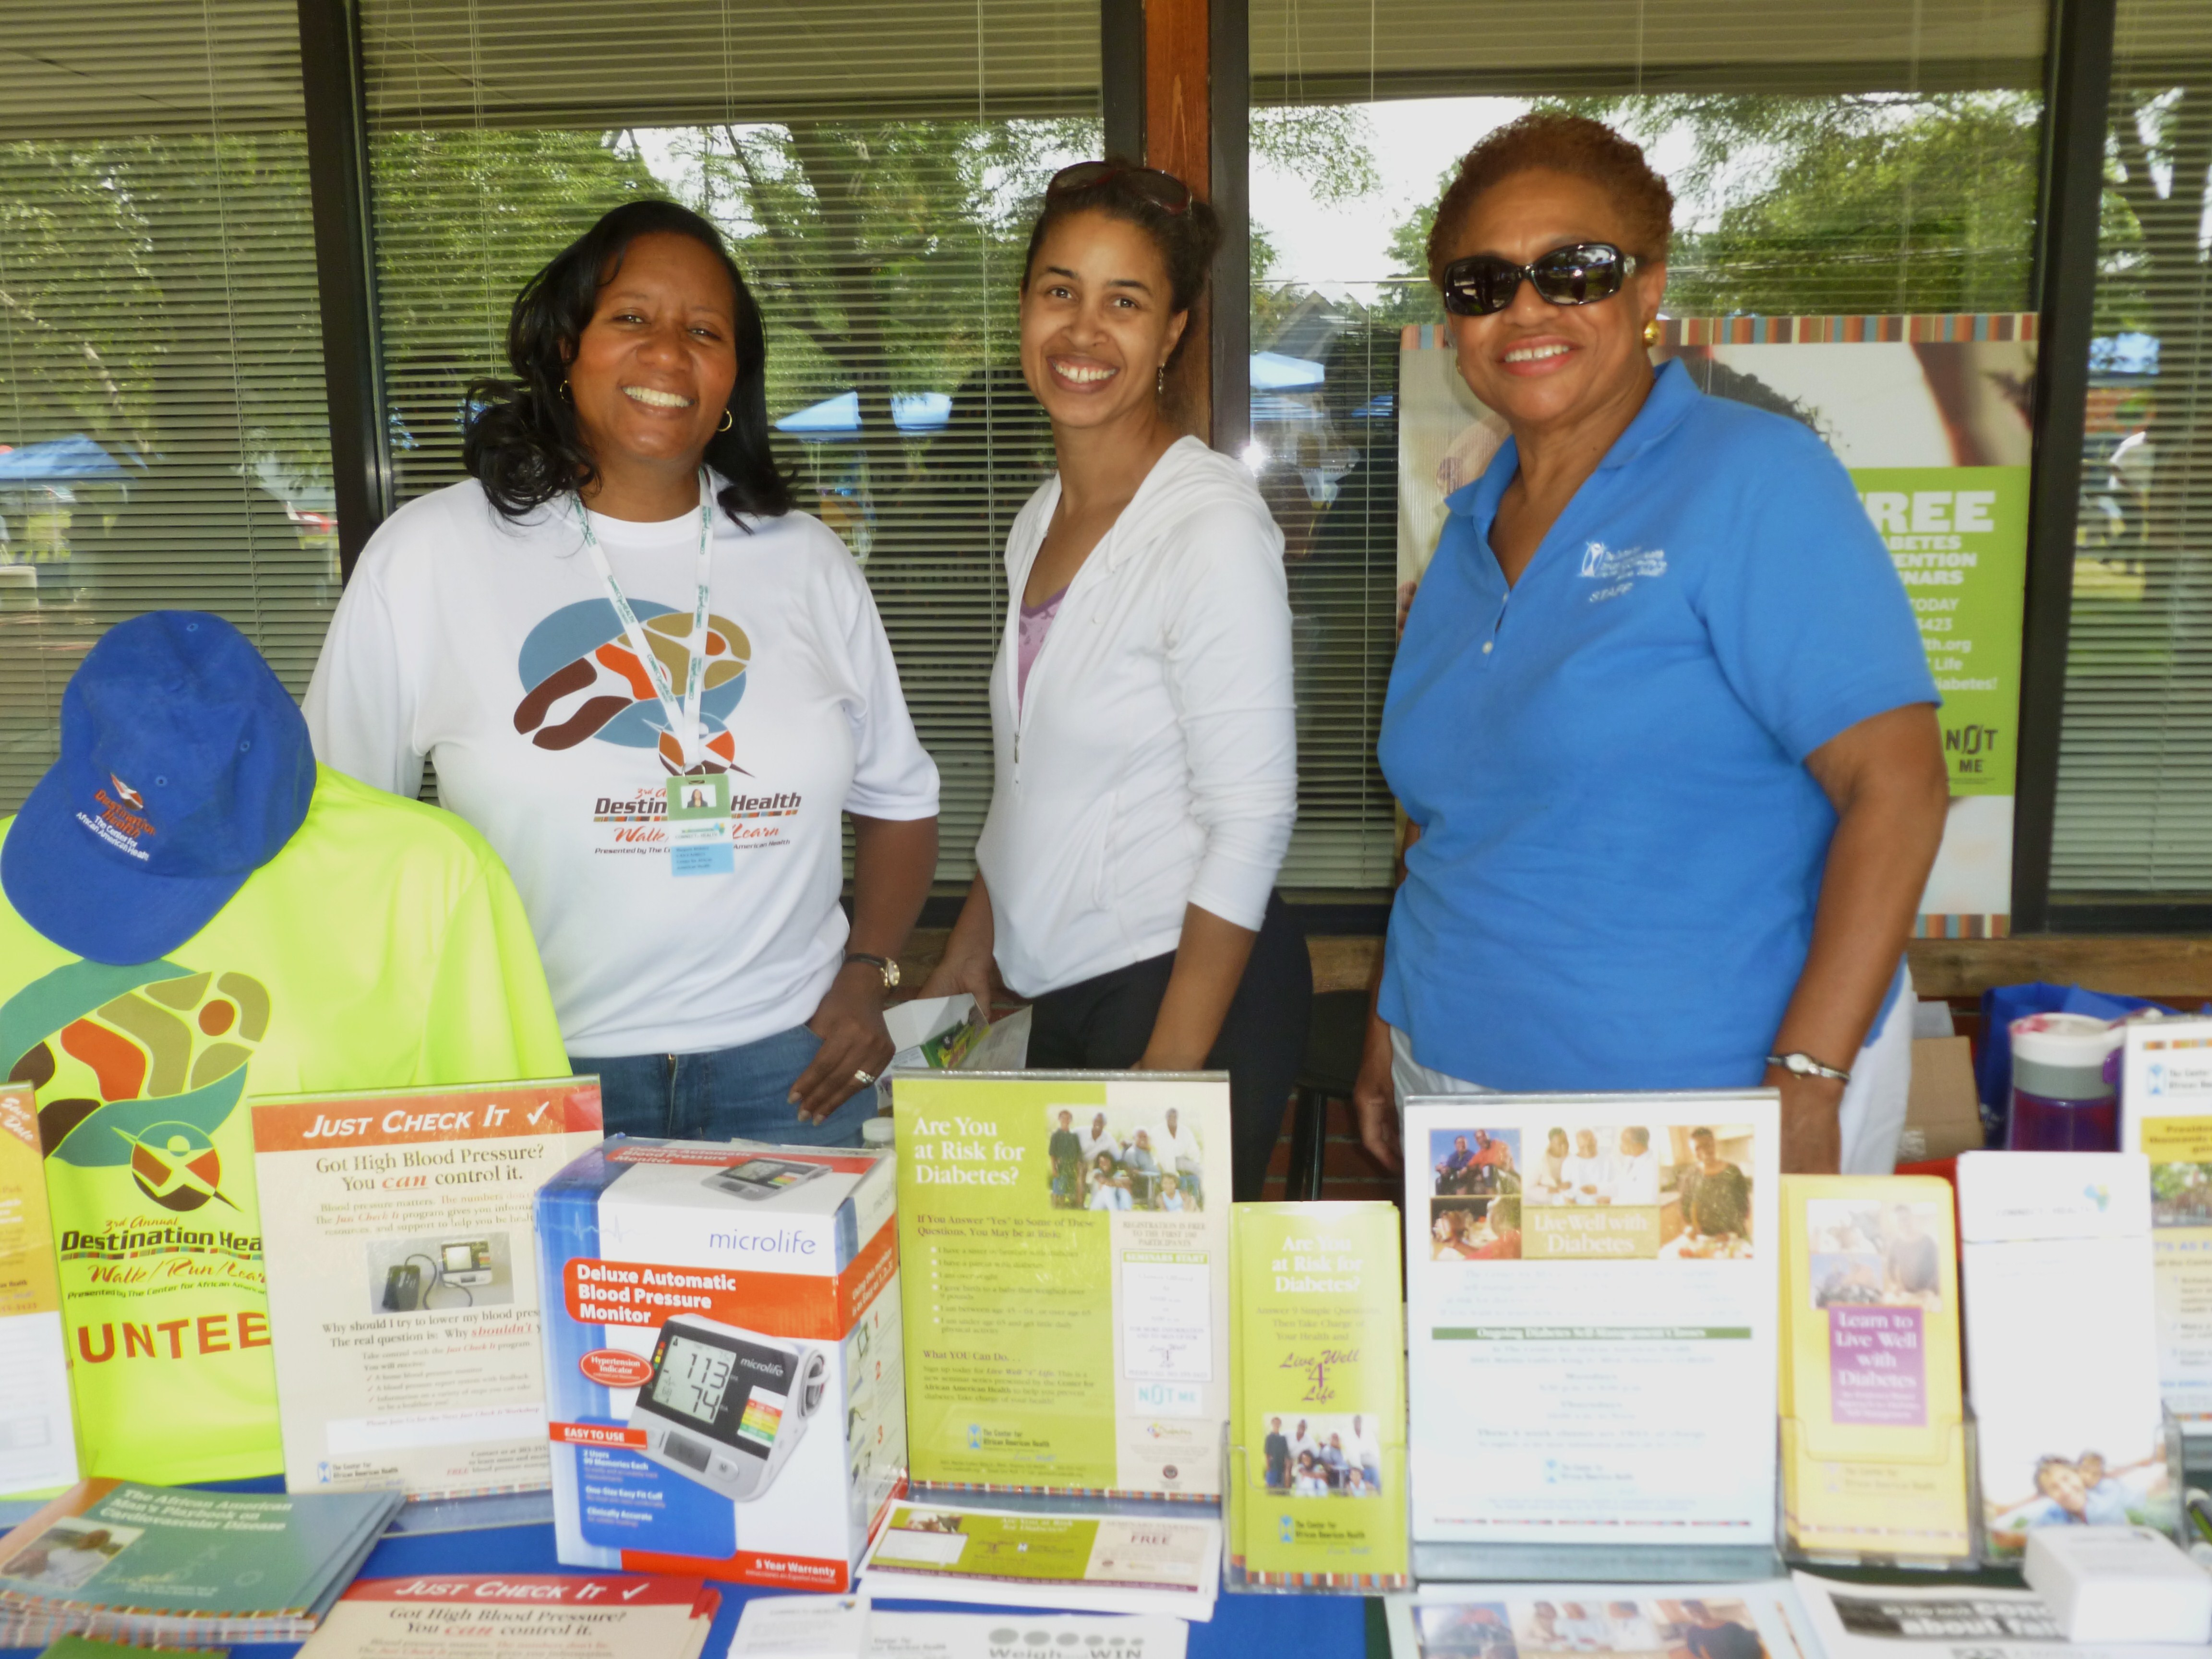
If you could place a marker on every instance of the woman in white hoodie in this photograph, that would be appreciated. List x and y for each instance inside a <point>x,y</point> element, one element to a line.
<point>1141,707</point>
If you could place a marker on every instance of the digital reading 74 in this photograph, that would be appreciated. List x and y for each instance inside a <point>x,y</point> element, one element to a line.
<point>724,1407</point>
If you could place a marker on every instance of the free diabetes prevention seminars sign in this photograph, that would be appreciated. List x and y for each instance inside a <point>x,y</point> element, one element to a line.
<point>1929,414</point>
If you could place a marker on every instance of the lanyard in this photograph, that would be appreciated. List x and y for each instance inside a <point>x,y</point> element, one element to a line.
<point>683,721</point>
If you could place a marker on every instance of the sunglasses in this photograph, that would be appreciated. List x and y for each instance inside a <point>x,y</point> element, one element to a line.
<point>1579,274</point>
<point>1163,190</point>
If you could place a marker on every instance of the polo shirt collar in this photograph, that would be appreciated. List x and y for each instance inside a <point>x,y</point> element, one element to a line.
<point>1673,395</point>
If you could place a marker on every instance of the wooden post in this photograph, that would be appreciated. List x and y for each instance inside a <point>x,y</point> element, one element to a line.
<point>1178,136</point>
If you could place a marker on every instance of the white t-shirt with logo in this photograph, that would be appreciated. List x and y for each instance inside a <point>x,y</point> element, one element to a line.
<point>490,648</point>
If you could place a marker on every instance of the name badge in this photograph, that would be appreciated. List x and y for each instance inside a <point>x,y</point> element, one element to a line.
<point>699,826</point>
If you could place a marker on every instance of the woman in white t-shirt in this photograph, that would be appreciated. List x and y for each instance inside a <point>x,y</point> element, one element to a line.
<point>1141,706</point>
<point>534,633</point>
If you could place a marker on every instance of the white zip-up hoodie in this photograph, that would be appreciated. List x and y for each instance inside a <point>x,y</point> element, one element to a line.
<point>1152,763</point>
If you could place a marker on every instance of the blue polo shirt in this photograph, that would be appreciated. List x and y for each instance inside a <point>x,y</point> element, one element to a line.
<point>1621,848</point>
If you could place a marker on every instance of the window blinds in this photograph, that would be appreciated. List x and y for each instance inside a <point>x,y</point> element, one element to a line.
<point>2134,769</point>
<point>1878,156</point>
<point>874,163</point>
<point>161,395</point>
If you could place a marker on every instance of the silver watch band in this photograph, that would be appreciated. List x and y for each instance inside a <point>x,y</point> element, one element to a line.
<point>1803,1064</point>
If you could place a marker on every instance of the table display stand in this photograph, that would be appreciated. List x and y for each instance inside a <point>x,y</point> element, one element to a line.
<point>1899,1559</point>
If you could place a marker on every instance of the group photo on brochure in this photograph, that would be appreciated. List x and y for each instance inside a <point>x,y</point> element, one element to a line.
<point>609,1142</point>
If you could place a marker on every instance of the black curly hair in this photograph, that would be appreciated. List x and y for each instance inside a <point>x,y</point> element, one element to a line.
<point>1186,240</point>
<point>523,444</point>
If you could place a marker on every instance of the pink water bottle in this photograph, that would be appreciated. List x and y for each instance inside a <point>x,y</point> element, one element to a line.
<point>2065,1075</point>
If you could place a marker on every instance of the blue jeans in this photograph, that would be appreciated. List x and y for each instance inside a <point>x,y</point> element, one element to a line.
<point>727,1094</point>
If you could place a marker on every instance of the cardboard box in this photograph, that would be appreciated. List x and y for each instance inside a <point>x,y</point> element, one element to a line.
<point>722,1370</point>
<point>1942,1115</point>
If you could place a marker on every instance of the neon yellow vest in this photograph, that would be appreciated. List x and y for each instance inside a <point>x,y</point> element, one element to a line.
<point>384,947</point>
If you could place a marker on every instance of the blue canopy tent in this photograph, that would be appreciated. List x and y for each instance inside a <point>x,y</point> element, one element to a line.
<point>839,417</point>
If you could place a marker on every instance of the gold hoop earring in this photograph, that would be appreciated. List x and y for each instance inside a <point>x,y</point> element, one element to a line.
<point>565,397</point>
<point>729,420</point>
<point>1652,332</point>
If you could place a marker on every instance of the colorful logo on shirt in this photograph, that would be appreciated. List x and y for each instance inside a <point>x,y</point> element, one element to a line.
<point>581,681</point>
<point>137,1068</point>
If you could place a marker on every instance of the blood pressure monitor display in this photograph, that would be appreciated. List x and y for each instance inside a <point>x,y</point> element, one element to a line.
<point>693,1379</point>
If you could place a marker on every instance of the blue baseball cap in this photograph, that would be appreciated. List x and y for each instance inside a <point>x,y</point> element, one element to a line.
<point>185,768</point>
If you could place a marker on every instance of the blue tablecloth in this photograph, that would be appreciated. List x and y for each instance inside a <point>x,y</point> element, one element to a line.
<point>1278,1626</point>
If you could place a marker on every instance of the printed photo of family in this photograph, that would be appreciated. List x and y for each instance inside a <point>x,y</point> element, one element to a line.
<point>1099,1164</point>
<point>1874,1256</point>
<point>1680,1629</point>
<point>1323,1457</point>
<point>1698,1178</point>
<point>2085,1491</point>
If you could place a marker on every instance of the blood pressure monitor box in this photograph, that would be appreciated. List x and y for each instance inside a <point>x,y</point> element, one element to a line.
<point>722,1372</point>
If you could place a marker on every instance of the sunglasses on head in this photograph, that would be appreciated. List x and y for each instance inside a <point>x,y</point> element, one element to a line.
<point>1163,190</point>
<point>1579,274</point>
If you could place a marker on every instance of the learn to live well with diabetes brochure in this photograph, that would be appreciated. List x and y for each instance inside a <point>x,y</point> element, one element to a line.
<point>403,1282</point>
<point>1064,1246</point>
<point>1591,1308</point>
<point>1317,1426</point>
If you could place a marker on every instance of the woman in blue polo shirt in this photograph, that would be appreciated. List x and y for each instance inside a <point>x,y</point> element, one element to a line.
<point>1661,719</point>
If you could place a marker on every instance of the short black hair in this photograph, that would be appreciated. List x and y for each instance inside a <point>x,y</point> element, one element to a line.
<point>523,444</point>
<point>1186,242</point>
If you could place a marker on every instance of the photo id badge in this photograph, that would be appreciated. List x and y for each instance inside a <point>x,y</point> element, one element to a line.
<point>699,826</point>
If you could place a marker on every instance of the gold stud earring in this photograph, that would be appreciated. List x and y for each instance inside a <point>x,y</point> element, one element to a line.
<point>1652,331</point>
<point>729,420</point>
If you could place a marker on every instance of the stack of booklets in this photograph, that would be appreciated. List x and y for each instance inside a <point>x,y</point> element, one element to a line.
<point>163,1566</point>
<point>519,1615</point>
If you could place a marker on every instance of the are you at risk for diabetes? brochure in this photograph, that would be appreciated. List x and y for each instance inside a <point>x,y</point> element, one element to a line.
<point>1064,1254</point>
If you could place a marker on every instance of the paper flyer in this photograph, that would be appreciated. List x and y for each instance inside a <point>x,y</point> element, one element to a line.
<point>1760,1620</point>
<point>2165,1105</point>
<point>1929,416</point>
<point>2057,1286</point>
<point>1156,1564</point>
<point>1884,1621</point>
<point>1591,1317</point>
<point>1317,1496</point>
<point>520,1616</point>
<point>1065,1245</point>
<point>1874,1447</point>
<point>402,1291</point>
<point>38,1441</point>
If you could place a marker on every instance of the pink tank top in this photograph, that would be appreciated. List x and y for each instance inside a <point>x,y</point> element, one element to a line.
<point>1036,624</point>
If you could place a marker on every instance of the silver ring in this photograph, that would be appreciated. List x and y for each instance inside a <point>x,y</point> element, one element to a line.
<point>863,1078</point>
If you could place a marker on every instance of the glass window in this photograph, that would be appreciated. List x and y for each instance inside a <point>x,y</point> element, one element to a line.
<point>1866,158</point>
<point>875,170</point>
<point>2135,763</point>
<point>163,434</point>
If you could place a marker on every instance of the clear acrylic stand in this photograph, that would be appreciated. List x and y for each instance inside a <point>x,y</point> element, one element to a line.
<point>2168,1518</point>
<point>478,1513</point>
<point>1901,1556</point>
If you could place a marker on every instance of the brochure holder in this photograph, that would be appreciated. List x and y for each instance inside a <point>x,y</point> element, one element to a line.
<point>1237,1502</point>
<point>1585,1564</point>
<point>1895,1554</point>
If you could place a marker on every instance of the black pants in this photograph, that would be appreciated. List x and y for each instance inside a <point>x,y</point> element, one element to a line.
<point>1103,1025</point>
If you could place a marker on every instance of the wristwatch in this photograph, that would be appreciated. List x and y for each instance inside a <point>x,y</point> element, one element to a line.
<point>1801,1064</point>
<point>887,966</point>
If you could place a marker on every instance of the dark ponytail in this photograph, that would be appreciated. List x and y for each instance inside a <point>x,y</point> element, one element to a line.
<point>523,444</point>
